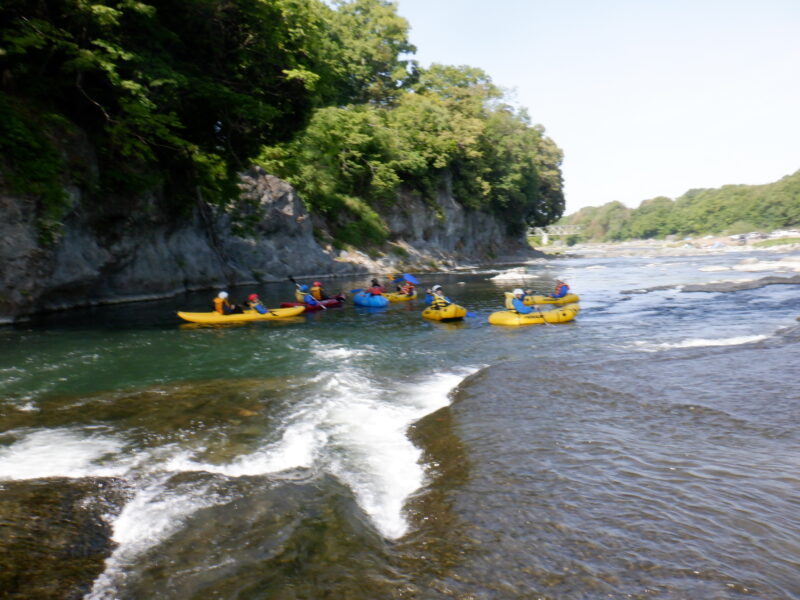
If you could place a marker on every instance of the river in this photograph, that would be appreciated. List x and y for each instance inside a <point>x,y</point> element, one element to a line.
<point>648,449</point>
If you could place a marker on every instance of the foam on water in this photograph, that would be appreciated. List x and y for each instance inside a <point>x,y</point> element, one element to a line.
<point>349,423</point>
<point>60,453</point>
<point>370,449</point>
<point>154,513</point>
<point>699,342</point>
<point>297,448</point>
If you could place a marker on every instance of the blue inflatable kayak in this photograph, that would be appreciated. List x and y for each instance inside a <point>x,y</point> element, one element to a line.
<point>366,299</point>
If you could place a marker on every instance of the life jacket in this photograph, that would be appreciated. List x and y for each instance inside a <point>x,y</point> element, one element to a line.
<point>560,290</point>
<point>439,301</point>
<point>316,291</point>
<point>518,306</point>
<point>222,306</point>
<point>258,307</point>
<point>407,289</point>
<point>375,290</point>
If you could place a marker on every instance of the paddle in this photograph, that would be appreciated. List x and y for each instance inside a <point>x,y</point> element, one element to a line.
<point>315,300</point>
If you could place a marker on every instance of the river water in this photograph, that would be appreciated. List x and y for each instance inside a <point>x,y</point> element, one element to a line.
<point>649,449</point>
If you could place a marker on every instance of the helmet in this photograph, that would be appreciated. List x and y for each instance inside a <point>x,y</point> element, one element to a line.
<point>223,295</point>
<point>518,292</point>
<point>303,288</point>
<point>436,287</point>
<point>317,284</point>
<point>252,297</point>
<point>375,282</point>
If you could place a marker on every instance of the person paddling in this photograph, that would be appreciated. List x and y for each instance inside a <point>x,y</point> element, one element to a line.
<point>317,291</point>
<point>560,290</point>
<point>519,304</point>
<point>223,306</point>
<point>407,288</point>
<point>254,302</point>
<point>376,288</point>
<point>438,299</point>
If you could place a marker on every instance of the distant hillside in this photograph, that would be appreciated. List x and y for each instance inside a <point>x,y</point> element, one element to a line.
<point>728,210</point>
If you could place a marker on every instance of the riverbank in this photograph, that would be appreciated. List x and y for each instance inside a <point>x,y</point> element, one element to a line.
<point>654,248</point>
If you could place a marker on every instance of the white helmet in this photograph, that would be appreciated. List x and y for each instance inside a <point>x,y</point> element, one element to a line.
<point>436,287</point>
<point>223,295</point>
<point>518,292</point>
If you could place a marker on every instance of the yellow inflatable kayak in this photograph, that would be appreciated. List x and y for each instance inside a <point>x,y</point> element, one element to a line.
<point>398,297</point>
<point>514,319</point>
<point>451,312</point>
<point>530,300</point>
<point>248,315</point>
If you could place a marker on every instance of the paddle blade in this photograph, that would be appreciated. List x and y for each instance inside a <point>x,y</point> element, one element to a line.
<point>356,290</point>
<point>471,314</point>
<point>410,278</point>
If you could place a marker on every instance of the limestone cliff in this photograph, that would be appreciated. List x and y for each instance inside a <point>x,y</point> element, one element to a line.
<point>120,256</point>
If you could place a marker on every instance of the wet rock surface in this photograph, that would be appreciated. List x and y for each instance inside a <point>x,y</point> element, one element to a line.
<point>54,538</point>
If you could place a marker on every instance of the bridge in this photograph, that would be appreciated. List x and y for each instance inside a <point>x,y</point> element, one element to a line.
<point>553,231</point>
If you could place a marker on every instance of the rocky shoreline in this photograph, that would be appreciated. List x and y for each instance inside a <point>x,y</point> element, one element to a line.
<point>110,255</point>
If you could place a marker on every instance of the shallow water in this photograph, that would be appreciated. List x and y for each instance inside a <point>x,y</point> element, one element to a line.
<point>648,449</point>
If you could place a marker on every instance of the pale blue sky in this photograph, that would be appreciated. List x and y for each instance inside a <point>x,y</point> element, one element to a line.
<point>645,97</point>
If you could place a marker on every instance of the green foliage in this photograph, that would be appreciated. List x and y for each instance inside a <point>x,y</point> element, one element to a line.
<point>729,210</point>
<point>184,93</point>
<point>450,123</point>
<point>178,96</point>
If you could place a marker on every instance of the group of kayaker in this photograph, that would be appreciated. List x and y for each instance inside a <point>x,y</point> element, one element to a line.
<point>403,286</point>
<point>518,301</point>
<point>434,297</point>
<point>224,307</point>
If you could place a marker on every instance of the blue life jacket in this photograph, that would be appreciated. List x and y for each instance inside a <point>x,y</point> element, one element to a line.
<point>520,307</point>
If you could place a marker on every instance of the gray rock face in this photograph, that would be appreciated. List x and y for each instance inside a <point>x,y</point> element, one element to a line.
<point>143,254</point>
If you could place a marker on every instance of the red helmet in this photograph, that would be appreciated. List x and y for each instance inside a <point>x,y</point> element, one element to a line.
<point>317,284</point>
<point>252,297</point>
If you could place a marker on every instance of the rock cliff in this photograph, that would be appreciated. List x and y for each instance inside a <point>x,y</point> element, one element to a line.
<point>122,256</point>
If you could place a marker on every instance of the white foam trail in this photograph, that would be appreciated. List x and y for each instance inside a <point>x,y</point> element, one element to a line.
<point>699,343</point>
<point>297,449</point>
<point>152,515</point>
<point>371,451</point>
<point>60,453</point>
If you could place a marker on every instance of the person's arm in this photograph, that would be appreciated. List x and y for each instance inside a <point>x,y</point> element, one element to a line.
<point>520,307</point>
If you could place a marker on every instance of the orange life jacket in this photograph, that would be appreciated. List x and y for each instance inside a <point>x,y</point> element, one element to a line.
<point>316,291</point>
<point>219,303</point>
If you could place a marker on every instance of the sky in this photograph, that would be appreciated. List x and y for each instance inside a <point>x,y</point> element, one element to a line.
<point>646,98</point>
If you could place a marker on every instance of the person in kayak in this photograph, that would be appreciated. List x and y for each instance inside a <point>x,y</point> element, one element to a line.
<point>560,290</point>
<point>407,288</point>
<point>254,302</point>
<point>376,289</point>
<point>519,304</point>
<point>318,292</point>
<point>223,306</point>
<point>308,298</point>
<point>438,299</point>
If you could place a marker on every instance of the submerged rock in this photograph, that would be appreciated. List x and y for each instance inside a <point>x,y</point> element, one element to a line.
<point>55,538</point>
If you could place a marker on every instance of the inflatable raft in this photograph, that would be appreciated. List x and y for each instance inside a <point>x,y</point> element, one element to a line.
<point>248,315</point>
<point>398,297</point>
<point>512,318</point>
<point>451,312</point>
<point>530,300</point>
<point>328,303</point>
<point>367,299</point>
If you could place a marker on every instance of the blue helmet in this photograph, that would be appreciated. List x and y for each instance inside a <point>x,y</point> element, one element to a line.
<point>303,288</point>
